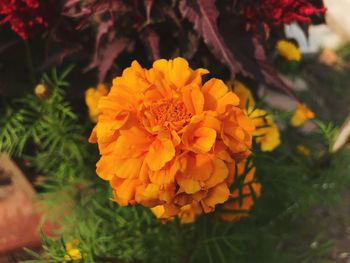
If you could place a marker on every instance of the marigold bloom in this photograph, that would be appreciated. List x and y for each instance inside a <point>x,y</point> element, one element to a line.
<point>303,150</point>
<point>92,97</point>
<point>241,201</point>
<point>167,139</point>
<point>301,115</point>
<point>267,133</point>
<point>288,50</point>
<point>72,254</point>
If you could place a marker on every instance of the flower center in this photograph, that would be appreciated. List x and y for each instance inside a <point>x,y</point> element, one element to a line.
<point>171,114</point>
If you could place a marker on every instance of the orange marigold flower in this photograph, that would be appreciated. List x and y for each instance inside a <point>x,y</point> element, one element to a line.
<point>301,115</point>
<point>241,202</point>
<point>167,139</point>
<point>92,97</point>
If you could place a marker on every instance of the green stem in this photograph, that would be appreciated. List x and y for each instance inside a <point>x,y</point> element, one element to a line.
<point>30,64</point>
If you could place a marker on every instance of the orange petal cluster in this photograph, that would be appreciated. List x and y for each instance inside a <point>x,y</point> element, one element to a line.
<point>167,139</point>
<point>243,196</point>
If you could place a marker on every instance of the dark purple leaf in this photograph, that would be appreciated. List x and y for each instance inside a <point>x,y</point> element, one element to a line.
<point>104,59</point>
<point>192,45</point>
<point>102,31</point>
<point>71,3</point>
<point>57,58</point>
<point>250,52</point>
<point>269,74</point>
<point>151,40</point>
<point>203,15</point>
<point>148,7</point>
<point>95,8</point>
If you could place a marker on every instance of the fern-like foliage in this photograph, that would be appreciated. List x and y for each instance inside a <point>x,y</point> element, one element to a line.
<point>46,131</point>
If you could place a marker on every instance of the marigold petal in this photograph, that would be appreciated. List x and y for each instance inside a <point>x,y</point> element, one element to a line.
<point>217,96</point>
<point>189,213</point>
<point>125,192</point>
<point>217,195</point>
<point>166,175</point>
<point>197,100</point>
<point>270,140</point>
<point>158,211</point>
<point>188,184</point>
<point>105,167</point>
<point>132,143</point>
<point>199,140</point>
<point>204,139</point>
<point>106,128</point>
<point>93,136</point>
<point>219,174</point>
<point>176,71</point>
<point>128,168</point>
<point>193,99</point>
<point>201,167</point>
<point>160,152</point>
<point>229,98</point>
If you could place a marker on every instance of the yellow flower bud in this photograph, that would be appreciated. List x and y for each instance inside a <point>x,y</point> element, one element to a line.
<point>73,254</point>
<point>288,50</point>
<point>302,150</point>
<point>301,115</point>
<point>42,91</point>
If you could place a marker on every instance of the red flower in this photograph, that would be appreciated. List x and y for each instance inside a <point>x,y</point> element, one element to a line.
<point>26,16</point>
<point>278,12</point>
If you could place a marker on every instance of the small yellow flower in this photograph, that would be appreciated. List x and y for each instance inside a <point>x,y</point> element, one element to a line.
<point>247,101</point>
<point>42,91</point>
<point>267,133</point>
<point>301,115</point>
<point>73,254</point>
<point>92,97</point>
<point>288,50</point>
<point>302,150</point>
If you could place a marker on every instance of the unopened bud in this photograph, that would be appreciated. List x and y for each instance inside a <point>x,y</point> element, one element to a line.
<point>42,91</point>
